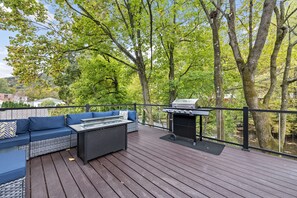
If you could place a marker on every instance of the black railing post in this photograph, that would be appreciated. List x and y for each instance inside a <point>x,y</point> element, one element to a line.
<point>170,119</point>
<point>135,107</point>
<point>245,129</point>
<point>143,116</point>
<point>88,107</point>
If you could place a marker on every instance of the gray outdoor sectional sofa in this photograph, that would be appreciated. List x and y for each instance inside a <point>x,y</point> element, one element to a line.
<point>37,136</point>
<point>41,135</point>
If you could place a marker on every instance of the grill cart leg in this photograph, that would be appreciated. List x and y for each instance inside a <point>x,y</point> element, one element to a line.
<point>200,135</point>
<point>173,136</point>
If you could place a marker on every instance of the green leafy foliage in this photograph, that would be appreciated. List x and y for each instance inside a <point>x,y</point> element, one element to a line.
<point>4,88</point>
<point>9,104</point>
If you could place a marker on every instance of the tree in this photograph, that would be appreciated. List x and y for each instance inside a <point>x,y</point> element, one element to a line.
<point>4,86</point>
<point>286,82</point>
<point>247,68</point>
<point>9,104</point>
<point>101,82</point>
<point>48,103</point>
<point>214,19</point>
<point>128,46</point>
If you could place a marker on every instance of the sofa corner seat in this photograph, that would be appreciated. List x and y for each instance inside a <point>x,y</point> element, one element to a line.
<point>48,134</point>
<point>12,173</point>
<point>22,139</point>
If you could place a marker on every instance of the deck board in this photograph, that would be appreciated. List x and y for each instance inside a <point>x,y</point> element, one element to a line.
<point>152,167</point>
<point>53,184</point>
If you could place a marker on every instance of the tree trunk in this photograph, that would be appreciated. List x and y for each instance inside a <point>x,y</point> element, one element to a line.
<point>281,32</point>
<point>214,21</point>
<point>247,69</point>
<point>218,80</point>
<point>261,119</point>
<point>284,99</point>
<point>146,94</point>
<point>172,87</point>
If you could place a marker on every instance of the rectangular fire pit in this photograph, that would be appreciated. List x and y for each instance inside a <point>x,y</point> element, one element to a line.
<point>100,136</point>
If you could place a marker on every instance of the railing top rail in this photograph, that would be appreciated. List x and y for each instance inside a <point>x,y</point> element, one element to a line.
<point>49,107</point>
<point>224,108</point>
<point>110,105</point>
<point>157,105</point>
<point>273,111</point>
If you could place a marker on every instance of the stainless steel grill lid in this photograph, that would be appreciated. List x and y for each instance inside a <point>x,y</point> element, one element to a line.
<point>185,103</point>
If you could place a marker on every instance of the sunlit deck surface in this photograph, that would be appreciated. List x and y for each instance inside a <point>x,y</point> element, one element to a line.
<point>156,168</point>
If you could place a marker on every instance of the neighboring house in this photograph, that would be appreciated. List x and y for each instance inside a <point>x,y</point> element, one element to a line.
<point>37,103</point>
<point>4,97</point>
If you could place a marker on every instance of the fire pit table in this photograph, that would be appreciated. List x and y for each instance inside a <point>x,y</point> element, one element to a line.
<point>184,113</point>
<point>100,136</point>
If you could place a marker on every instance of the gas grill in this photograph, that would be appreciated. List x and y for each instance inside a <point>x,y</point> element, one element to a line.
<point>184,112</point>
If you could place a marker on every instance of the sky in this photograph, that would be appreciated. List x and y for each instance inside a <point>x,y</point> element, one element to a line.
<point>5,70</point>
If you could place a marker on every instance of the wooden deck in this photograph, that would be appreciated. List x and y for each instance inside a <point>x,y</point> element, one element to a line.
<point>156,168</point>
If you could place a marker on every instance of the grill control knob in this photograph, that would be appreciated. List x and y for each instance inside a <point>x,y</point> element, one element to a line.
<point>190,112</point>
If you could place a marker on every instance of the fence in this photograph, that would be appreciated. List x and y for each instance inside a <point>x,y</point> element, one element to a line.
<point>238,127</point>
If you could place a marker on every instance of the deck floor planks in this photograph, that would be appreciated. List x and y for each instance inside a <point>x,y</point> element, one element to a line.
<point>166,177</point>
<point>38,186</point>
<point>283,163</point>
<point>186,159</point>
<point>144,182</point>
<point>117,186</point>
<point>28,180</point>
<point>271,166</point>
<point>102,187</point>
<point>205,186</point>
<point>288,179</point>
<point>68,183</point>
<point>137,189</point>
<point>52,180</point>
<point>150,176</point>
<point>156,168</point>
<point>86,187</point>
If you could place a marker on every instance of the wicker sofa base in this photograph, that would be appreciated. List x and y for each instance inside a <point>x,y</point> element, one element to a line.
<point>132,127</point>
<point>13,189</point>
<point>27,149</point>
<point>50,145</point>
<point>73,140</point>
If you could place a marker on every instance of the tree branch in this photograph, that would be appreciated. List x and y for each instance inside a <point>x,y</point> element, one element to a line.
<point>255,54</point>
<point>233,37</point>
<point>291,80</point>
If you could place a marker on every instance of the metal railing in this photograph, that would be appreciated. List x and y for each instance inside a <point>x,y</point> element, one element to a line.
<point>238,128</point>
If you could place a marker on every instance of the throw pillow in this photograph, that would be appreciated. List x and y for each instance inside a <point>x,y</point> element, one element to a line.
<point>7,130</point>
<point>124,114</point>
